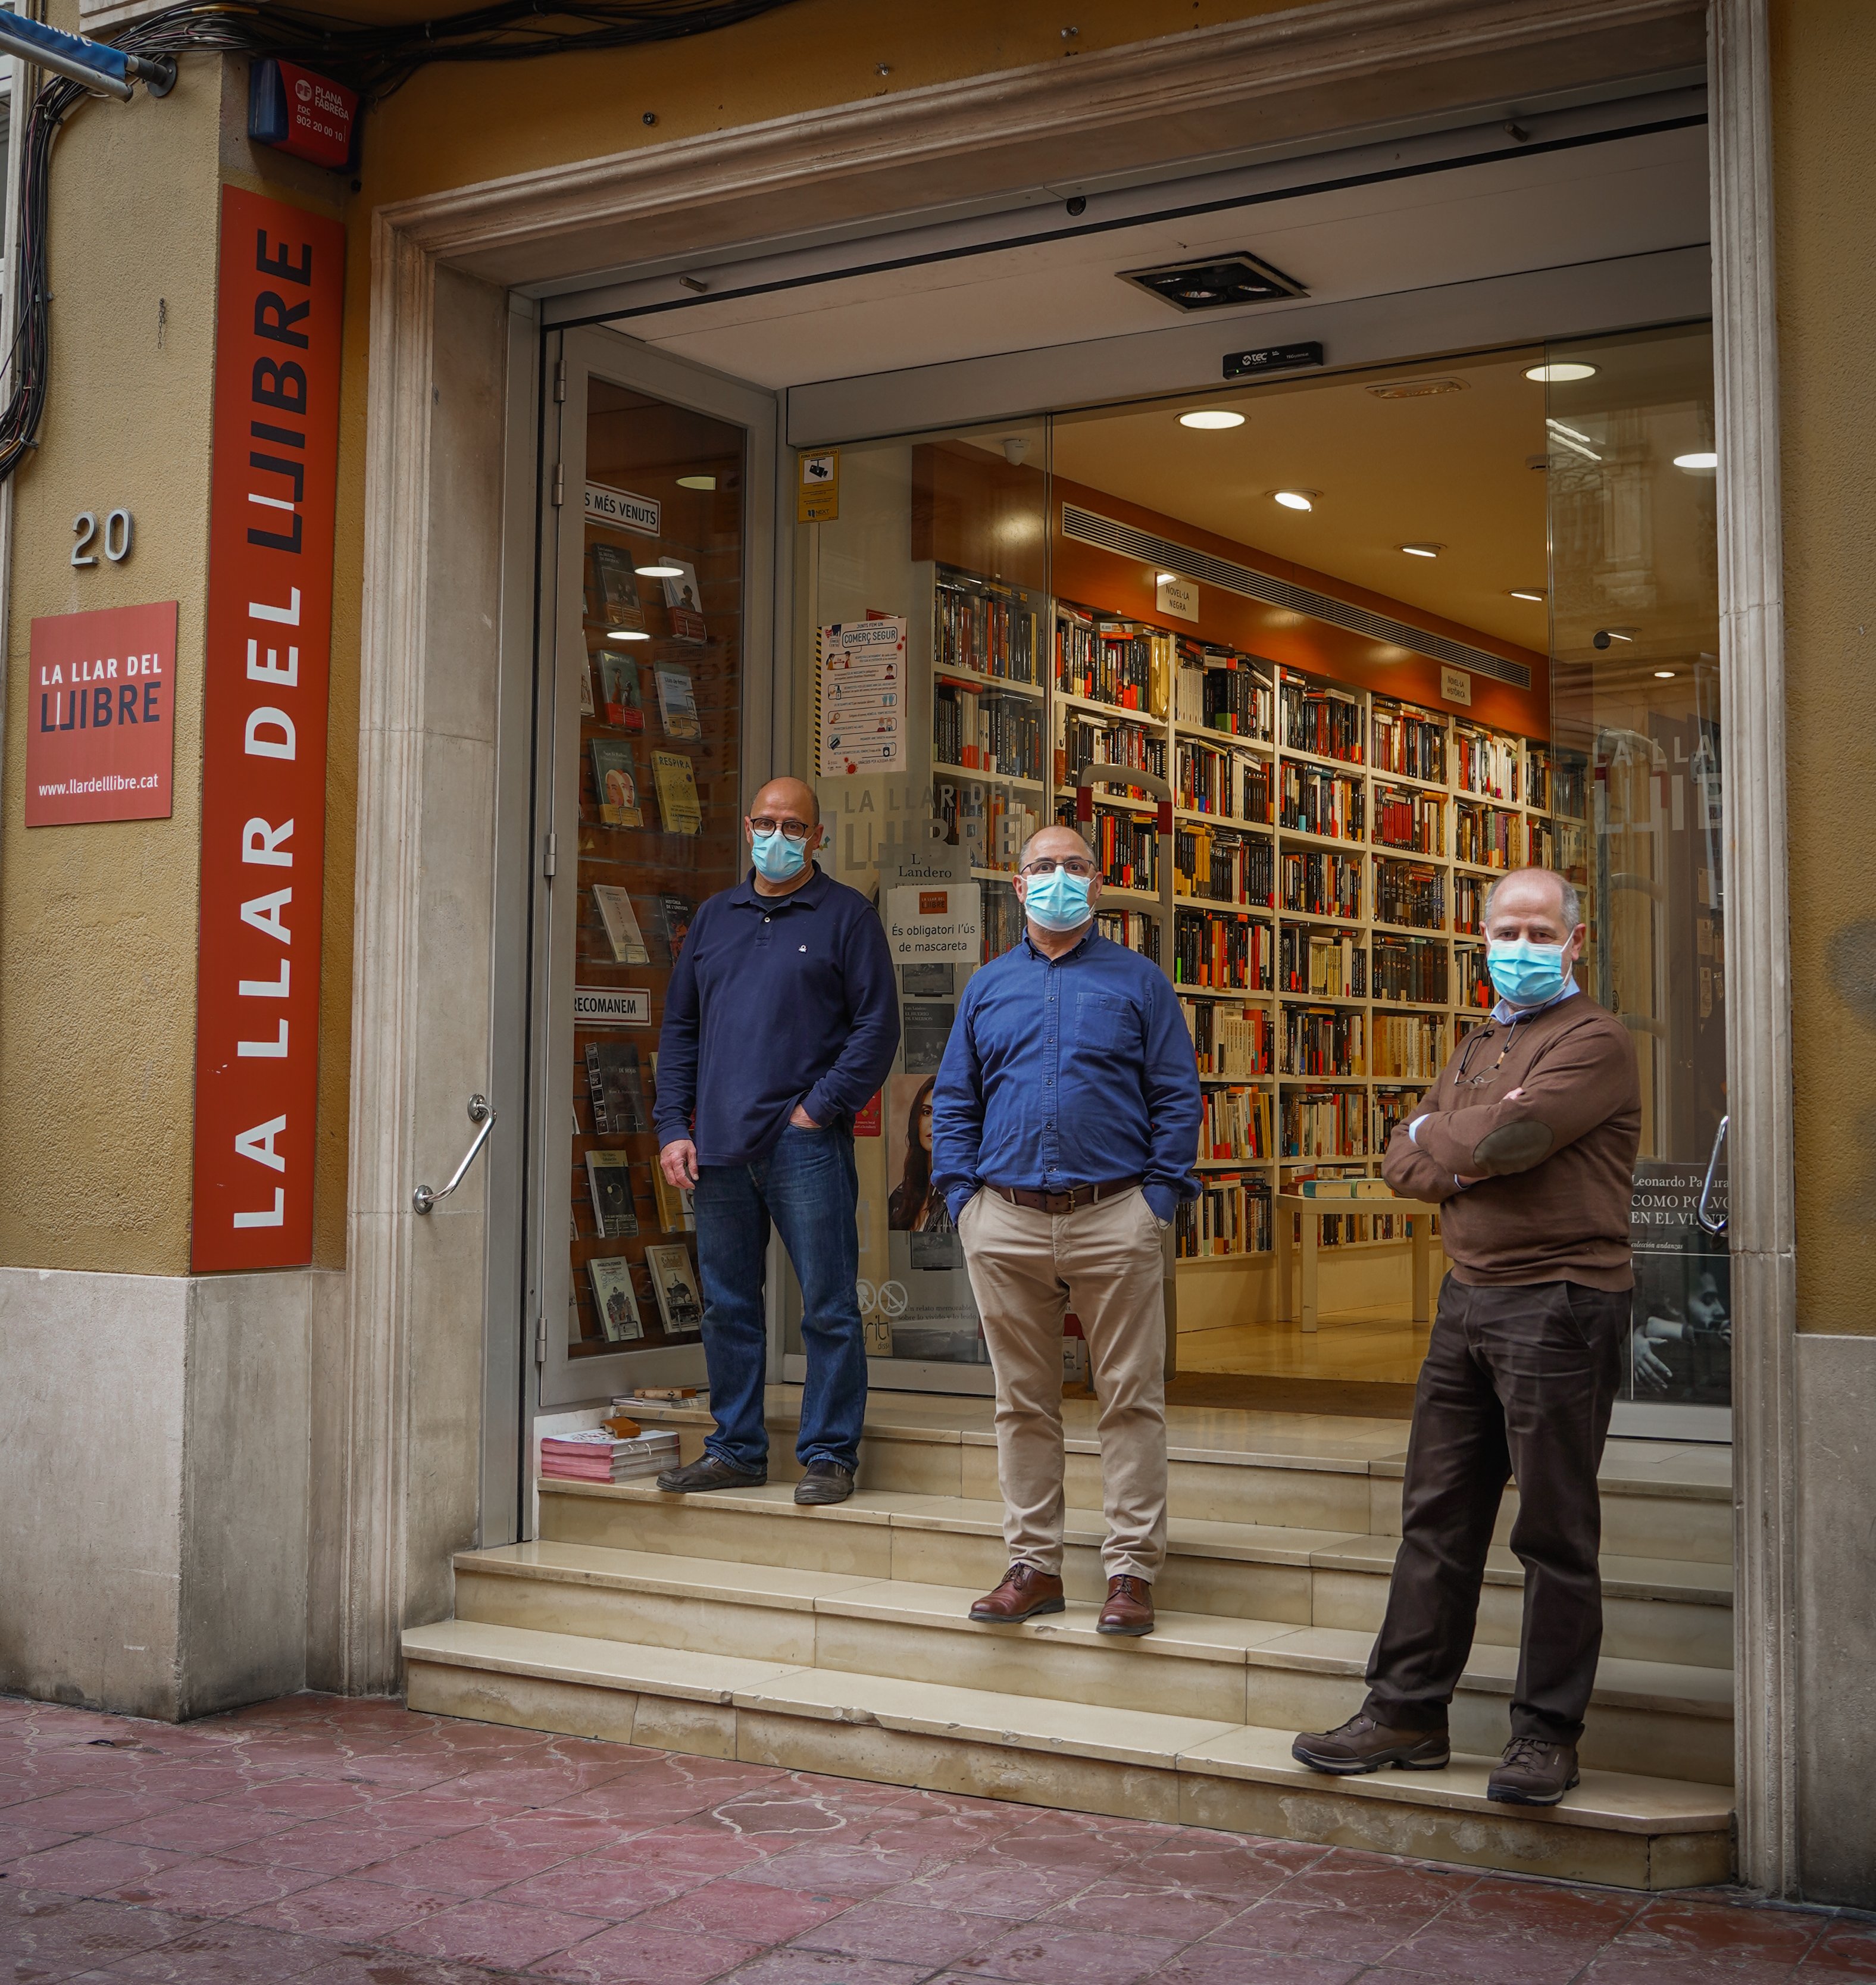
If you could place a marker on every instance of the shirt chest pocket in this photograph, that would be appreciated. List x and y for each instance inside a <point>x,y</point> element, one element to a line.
<point>1106,1021</point>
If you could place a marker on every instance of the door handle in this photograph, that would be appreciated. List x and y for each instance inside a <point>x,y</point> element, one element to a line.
<point>423,1198</point>
<point>1708,1224</point>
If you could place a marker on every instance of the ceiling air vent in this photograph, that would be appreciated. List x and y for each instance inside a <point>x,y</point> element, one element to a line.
<point>1224,281</point>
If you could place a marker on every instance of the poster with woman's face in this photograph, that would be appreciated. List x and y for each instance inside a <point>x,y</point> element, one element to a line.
<point>911,1203</point>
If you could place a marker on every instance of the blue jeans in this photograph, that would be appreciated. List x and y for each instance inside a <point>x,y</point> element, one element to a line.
<point>807,1188</point>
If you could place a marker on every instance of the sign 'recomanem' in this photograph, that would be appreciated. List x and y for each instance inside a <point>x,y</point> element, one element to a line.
<point>264,771</point>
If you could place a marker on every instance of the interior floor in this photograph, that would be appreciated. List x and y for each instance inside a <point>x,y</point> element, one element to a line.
<point>1373,1343</point>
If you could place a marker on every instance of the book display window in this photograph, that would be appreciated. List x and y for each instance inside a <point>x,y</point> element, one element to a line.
<point>659,828</point>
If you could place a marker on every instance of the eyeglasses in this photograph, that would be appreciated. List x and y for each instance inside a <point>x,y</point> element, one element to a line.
<point>1047,864</point>
<point>791,830</point>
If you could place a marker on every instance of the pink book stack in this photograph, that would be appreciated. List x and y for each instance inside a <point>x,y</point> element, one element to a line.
<point>600,1457</point>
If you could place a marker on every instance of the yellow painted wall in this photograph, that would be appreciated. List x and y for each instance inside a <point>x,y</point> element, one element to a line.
<point>1824,80</point>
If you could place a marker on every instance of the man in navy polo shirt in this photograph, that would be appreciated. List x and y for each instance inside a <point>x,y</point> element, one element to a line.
<point>1064,1127</point>
<point>781,1022</point>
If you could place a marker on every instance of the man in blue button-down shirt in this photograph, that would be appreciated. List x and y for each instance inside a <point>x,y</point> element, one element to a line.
<point>779,1024</point>
<point>1065,1124</point>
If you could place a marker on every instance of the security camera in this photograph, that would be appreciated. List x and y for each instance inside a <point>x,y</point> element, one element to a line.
<point>1014,448</point>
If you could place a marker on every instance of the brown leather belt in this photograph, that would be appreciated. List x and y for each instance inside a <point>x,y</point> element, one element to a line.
<point>1063,1202</point>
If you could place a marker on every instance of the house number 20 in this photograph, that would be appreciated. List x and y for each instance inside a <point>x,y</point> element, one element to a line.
<point>120,532</point>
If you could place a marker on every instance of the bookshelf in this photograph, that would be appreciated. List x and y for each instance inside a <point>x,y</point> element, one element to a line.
<point>1330,851</point>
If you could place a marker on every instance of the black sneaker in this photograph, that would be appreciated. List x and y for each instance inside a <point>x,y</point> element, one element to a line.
<point>1362,1744</point>
<point>1533,1772</point>
<point>709,1471</point>
<point>824,1482</point>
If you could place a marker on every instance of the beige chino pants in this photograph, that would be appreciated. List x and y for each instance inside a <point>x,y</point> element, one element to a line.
<point>1104,1261</point>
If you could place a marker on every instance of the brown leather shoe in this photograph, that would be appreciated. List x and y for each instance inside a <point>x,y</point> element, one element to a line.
<point>1533,1771</point>
<point>1362,1744</point>
<point>1025,1593</point>
<point>1129,1608</point>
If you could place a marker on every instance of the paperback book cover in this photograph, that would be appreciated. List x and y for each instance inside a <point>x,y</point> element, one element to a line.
<point>677,1212</point>
<point>685,603</point>
<point>621,924</point>
<point>611,1276</point>
<point>678,803</point>
<point>675,1282</point>
<point>615,780</point>
<point>674,914</point>
<point>608,1178</point>
<point>620,695</point>
<point>677,701</point>
<point>615,588</point>
<point>618,1089</point>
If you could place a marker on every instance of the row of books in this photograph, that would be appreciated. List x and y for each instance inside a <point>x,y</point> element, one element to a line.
<point>1230,1216</point>
<point>1214,779</point>
<point>1324,1123</point>
<point>1487,837</point>
<point>1134,928</point>
<point>1090,741</point>
<point>983,819</point>
<point>1324,1040</point>
<point>1319,883</point>
<point>1408,740</point>
<point>1125,844</point>
<point>1406,819</point>
<point>668,917</point>
<point>1236,1125</point>
<point>672,1279</point>
<point>1408,1046</point>
<point>1231,953</point>
<point>983,627</point>
<point>1321,964</point>
<point>1113,661</point>
<point>613,600</point>
<point>620,701</point>
<point>1475,987</point>
<point>601,1456</point>
<point>1227,1040</point>
<point>1223,866</point>
<point>615,1206</point>
<point>619,799</point>
<point>1486,761</point>
<point>1413,897</point>
<point>1409,969</point>
<point>1003,920</point>
<point>1319,719</point>
<point>1468,904</point>
<point>1314,801</point>
<point>984,731</point>
<point>1224,690</point>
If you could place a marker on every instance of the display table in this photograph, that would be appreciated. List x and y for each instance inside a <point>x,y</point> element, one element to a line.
<point>1313,1210</point>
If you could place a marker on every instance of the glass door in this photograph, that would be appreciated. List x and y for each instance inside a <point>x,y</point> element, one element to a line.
<point>1635,640</point>
<point>659,480</point>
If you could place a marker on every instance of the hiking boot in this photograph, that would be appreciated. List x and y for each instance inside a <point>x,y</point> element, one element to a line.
<point>1025,1593</point>
<point>709,1471</point>
<point>824,1482</point>
<point>1362,1744</point>
<point>1129,1608</point>
<point>1533,1772</point>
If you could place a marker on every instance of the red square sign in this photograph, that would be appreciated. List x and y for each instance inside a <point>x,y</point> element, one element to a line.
<point>101,716</point>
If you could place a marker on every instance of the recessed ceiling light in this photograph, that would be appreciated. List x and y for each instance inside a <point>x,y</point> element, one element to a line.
<point>696,482</point>
<point>627,634</point>
<point>1417,389</point>
<point>1296,499</point>
<point>1664,675</point>
<point>1560,372</point>
<point>1534,593</point>
<point>1701,459</point>
<point>1421,550</point>
<point>663,570</point>
<point>1211,417</point>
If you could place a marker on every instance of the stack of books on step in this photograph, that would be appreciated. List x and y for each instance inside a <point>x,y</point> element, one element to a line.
<point>600,1456</point>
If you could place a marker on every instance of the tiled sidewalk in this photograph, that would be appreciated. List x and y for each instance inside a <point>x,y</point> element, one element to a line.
<point>330,1842</point>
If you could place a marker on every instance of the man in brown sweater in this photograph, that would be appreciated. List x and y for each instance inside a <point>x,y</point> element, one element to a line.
<point>1527,1141</point>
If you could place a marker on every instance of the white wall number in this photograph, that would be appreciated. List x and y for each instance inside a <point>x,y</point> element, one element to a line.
<point>120,531</point>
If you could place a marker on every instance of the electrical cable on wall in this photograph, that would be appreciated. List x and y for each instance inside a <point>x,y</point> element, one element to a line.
<point>375,61</point>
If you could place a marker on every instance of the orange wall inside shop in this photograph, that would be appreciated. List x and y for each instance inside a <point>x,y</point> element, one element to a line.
<point>970,509</point>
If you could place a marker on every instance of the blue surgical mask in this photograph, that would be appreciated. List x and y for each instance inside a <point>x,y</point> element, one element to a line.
<point>1525,973</point>
<point>1058,901</point>
<point>778,859</point>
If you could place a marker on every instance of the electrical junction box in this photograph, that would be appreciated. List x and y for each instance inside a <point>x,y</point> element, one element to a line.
<point>301,112</point>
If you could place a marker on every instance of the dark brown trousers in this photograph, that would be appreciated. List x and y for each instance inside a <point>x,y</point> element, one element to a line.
<point>1517,1382</point>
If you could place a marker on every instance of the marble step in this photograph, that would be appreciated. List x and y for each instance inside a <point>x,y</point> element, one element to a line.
<point>1660,1499</point>
<point>1654,1609</point>
<point>1619,1829</point>
<point>1668,1719</point>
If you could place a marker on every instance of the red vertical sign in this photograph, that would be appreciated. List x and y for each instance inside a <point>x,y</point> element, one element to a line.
<point>264,770</point>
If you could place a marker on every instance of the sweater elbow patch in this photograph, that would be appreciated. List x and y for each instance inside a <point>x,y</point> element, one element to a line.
<point>1513,1147</point>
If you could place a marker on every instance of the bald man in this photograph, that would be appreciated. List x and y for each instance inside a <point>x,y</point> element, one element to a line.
<point>780,1023</point>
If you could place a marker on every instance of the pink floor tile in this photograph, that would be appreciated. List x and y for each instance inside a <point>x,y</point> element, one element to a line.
<point>903,1934</point>
<point>49,1936</point>
<point>16,1839</point>
<point>1224,1964</point>
<point>984,1887</point>
<point>837,1868</point>
<point>1223,1864</point>
<point>93,1867</point>
<point>820,1967</point>
<point>1499,1902</point>
<point>1301,1923</point>
<point>1719,1930</point>
<point>221,1953</point>
<point>1128,1908</point>
<point>500,1935</point>
<point>1040,1952</point>
<point>1529,1957</point>
<point>1845,1951</point>
<point>745,1911</point>
<point>213,1887</point>
<point>200,1828</point>
<point>328,1847</point>
<point>627,1954</point>
<point>347,1910</point>
<point>94,1809</point>
<point>473,1863</point>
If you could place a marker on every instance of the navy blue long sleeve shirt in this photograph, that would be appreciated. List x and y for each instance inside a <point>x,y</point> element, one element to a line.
<point>1066,1072</point>
<point>776,1000</point>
